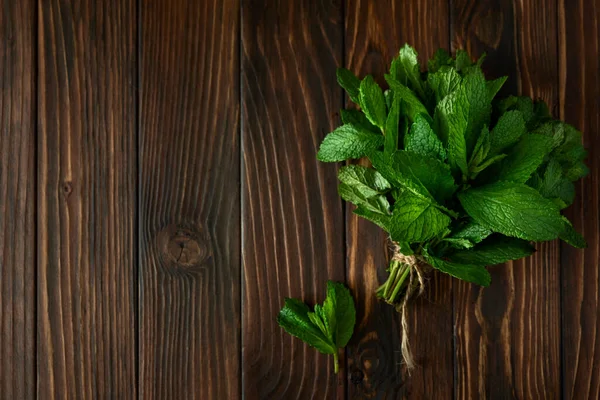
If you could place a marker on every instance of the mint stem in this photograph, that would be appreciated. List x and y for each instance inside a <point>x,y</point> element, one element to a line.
<point>396,282</point>
<point>336,362</point>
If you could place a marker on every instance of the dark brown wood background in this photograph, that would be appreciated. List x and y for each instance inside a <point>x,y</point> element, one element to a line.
<point>160,196</point>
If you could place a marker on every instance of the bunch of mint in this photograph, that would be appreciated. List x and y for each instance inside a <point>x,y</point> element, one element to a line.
<point>459,180</point>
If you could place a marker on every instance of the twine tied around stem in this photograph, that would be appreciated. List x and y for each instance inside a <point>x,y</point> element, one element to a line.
<point>416,285</point>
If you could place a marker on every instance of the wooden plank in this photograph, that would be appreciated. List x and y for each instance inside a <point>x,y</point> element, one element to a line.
<point>579,39</point>
<point>508,334</point>
<point>293,224</point>
<point>17,200</point>
<point>190,200</point>
<point>87,192</point>
<point>375,31</point>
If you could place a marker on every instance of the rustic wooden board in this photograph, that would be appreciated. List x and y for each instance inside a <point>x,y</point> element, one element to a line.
<point>86,200</point>
<point>189,200</point>
<point>293,226</point>
<point>17,200</point>
<point>375,31</point>
<point>507,335</point>
<point>579,39</point>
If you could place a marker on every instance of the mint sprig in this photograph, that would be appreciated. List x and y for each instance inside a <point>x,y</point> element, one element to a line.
<point>328,327</point>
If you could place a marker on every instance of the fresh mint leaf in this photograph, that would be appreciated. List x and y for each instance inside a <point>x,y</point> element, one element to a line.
<point>571,236</point>
<point>392,128</point>
<point>415,220</point>
<point>350,83</point>
<point>453,119</point>
<point>514,210</point>
<point>458,243</point>
<point>372,102</point>
<point>472,231</point>
<point>440,58</point>
<point>519,103</point>
<point>364,187</point>
<point>444,82</point>
<point>367,180</point>
<point>358,119</point>
<point>352,194</point>
<point>508,130</point>
<point>421,139</point>
<point>463,60</point>
<point>480,106</point>
<point>467,272</point>
<point>329,327</point>
<point>433,174</point>
<point>413,105</point>
<point>295,320</point>
<point>348,142</point>
<point>340,313</point>
<point>481,150</point>
<point>492,251</point>
<point>524,159</point>
<point>405,69</point>
<point>553,185</point>
<point>493,87</point>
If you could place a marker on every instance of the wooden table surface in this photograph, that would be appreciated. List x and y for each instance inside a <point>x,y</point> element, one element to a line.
<point>160,196</point>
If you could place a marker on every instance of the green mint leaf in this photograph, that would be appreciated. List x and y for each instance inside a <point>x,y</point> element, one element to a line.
<point>493,87</point>
<point>294,318</point>
<point>440,58</point>
<point>367,180</point>
<point>406,70</point>
<point>490,161</point>
<point>415,220</point>
<point>571,236</point>
<point>492,251</point>
<point>508,131</point>
<point>554,186</point>
<point>364,187</point>
<point>372,102</point>
<point>421,139</point>
<point>433,174</point>
<point>523,159</point>
<point>514,210</point>
<point>327,328</point>
<point>413,105</point>
<point>340,313</point>
<point>463,60</point>
<point>348,142</point>
<point>353,195</point>
<point>358,119</point>
<point>467,272</point>
<point>458,243</point>
<point>482,148</point>
<point>472,231</point>
<point>570,153</point>
<point>519,103</point>
<point>480,107</point>
<point>444,82</point>
<point>392,128</point>
<point>379,219</point>
<point>452,112</point>
<point>350,83</point>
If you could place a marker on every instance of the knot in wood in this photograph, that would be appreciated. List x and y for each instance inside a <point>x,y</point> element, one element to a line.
<point>182,247</point>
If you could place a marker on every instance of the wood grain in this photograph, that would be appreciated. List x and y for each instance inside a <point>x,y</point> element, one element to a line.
<point>86,196</point>
<point>17,200</point>
<point>507,335</point>
<point>375,31</point>
<point>293,225</point>
<point>579,40</point>
<point>189,200</point>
